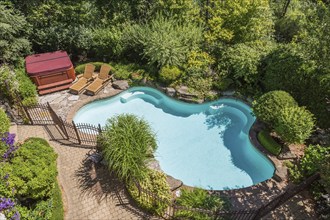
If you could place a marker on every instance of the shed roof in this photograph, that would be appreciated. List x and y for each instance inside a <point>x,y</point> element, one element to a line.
<point>45,63</point>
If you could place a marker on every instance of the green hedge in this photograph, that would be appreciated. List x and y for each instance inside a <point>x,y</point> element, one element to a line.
<point>57,211</point>
<point>269,143</point>
<point>4,122</point>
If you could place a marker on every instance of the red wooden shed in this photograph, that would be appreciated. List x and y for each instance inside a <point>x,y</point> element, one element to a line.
<point>50,71</point>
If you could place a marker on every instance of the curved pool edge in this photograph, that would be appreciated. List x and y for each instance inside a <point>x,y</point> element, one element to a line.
<point>252,133</point>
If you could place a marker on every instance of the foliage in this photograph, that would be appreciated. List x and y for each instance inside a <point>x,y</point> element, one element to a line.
<point>237,21</point>
<point>268,106</point>
<point>199,198</point>
<point>26,89</point>
<point>314,159</point>
<point>5,122</point>
<point>32,170</point>
<point>14,30</point>
<point>269,143</point>
<point>201,86</point>
<point>241,62</point>
<point>80,69</point>
<point>155,183</point>
<point>199,63</point>
<point>127,143</point>
<point>169,74</point>
<point>288,69</point>
<point>163,41</point>
<point>57,210</point>
<point>124,71</point>
<point>294,124</point>
<point>107,43</point>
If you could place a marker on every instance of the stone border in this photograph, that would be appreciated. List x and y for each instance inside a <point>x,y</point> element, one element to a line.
<point>253,132</point>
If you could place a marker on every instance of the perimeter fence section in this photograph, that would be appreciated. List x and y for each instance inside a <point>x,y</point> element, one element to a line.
<point>174,211</point>
<point>80,133</point>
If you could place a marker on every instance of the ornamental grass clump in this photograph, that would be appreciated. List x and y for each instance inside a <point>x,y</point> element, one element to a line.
<point>127,143</point>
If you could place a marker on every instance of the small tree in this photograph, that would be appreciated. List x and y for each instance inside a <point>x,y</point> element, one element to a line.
<point>127,143</point>
<point>268,106</point>
<point>294,124</point>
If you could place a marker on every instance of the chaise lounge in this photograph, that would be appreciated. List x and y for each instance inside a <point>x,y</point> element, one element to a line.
<point>101,80</point>
<point>83,80</point>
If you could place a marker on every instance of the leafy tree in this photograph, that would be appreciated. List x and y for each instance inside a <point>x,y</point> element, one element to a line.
<point>127,143</point>
<point>294,124</point>
<point>237,21</point>
<point>287,68</point>
<point>163,41</point>
<point>241,62</point>
<point>14,30</point>
<point>268,106</point>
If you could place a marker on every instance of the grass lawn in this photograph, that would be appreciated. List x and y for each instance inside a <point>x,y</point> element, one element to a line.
<point>269,143</point>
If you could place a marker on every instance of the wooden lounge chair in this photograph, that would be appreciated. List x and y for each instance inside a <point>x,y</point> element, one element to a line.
<point>83,80</point>
<point>101,80</point>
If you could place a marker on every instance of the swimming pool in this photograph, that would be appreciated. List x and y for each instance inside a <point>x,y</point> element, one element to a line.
<point>205,145</point>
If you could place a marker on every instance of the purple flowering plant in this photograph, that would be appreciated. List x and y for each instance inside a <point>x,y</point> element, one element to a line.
<point>8,139</point>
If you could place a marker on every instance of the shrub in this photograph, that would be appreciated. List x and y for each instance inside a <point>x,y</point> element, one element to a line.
<point>127,143</point>
<point>294,124</point>
<point>199,63</point>
<point>4,122</point>
<point>200,85</point>
<point>169,74</point>
<point>155,183</point>
<point>267,107</point>
<point>32,170</point>
<point>314,159</point>
<point>269,143</point>
<point>27,90</point>
<point>199,198</point>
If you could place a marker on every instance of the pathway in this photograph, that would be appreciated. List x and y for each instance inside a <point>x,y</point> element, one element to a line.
<point>88,192</point>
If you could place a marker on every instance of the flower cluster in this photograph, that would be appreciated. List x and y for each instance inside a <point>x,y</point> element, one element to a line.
<point>6,203</point>
<point>9,140</point>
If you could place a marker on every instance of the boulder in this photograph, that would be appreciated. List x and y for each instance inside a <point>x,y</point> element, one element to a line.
<point>173,183</point>
<point>183,91</point>
<point>287,155</point>
<point>170,91</point>
<point>120,84</point>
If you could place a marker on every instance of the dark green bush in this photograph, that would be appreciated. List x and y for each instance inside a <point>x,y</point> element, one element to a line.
<point>32,170</point>
<point>127,143</point>
<point>199,198</point>
<point>4,122</point>
<point>294,124</point>
<point>125,71</point>
<point>267,107</point>
<point>155,183</point>
<point>27,90</point>
<point>269,143</point>
<point>169,74</point>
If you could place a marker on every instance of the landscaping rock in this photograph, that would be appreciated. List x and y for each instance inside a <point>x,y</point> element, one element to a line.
<point>183,92</point>
<point>170,91</point>
<point>173,183</point>
<point>228,93</point>
<point>120,84</point>
<point>286,156</point>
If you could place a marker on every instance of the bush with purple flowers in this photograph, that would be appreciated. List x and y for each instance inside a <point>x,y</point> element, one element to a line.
<point>8,140</point>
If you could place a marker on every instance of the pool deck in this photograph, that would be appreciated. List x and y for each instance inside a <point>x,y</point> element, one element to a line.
<point>80,199</point>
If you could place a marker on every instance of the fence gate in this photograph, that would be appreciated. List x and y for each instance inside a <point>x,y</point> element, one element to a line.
<point>39,114</point>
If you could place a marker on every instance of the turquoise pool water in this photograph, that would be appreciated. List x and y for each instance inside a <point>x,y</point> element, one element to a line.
<point>204,145</point>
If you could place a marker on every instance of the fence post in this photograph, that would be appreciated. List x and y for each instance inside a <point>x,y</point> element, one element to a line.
<point>77,133</point>
<point>99,128</point>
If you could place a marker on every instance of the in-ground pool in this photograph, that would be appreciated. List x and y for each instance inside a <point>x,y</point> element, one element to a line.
<point>205,145</point>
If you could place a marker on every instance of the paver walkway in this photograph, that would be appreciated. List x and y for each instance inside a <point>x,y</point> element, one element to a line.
<point>88,192</point>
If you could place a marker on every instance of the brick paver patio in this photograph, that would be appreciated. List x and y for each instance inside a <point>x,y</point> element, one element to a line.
<point>88,192</point>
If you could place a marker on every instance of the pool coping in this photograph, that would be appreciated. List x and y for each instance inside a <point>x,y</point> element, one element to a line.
<point>253,132</point>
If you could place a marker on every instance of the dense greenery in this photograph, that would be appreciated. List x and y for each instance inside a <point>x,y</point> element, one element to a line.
<point>5,122</point>
<point>127,143</point>
<point>198,198</point>
<point>294,124</point>
<point>155,183</point>
<point>28,177</point>
<point>269,143</point>
<point>268,106</point>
